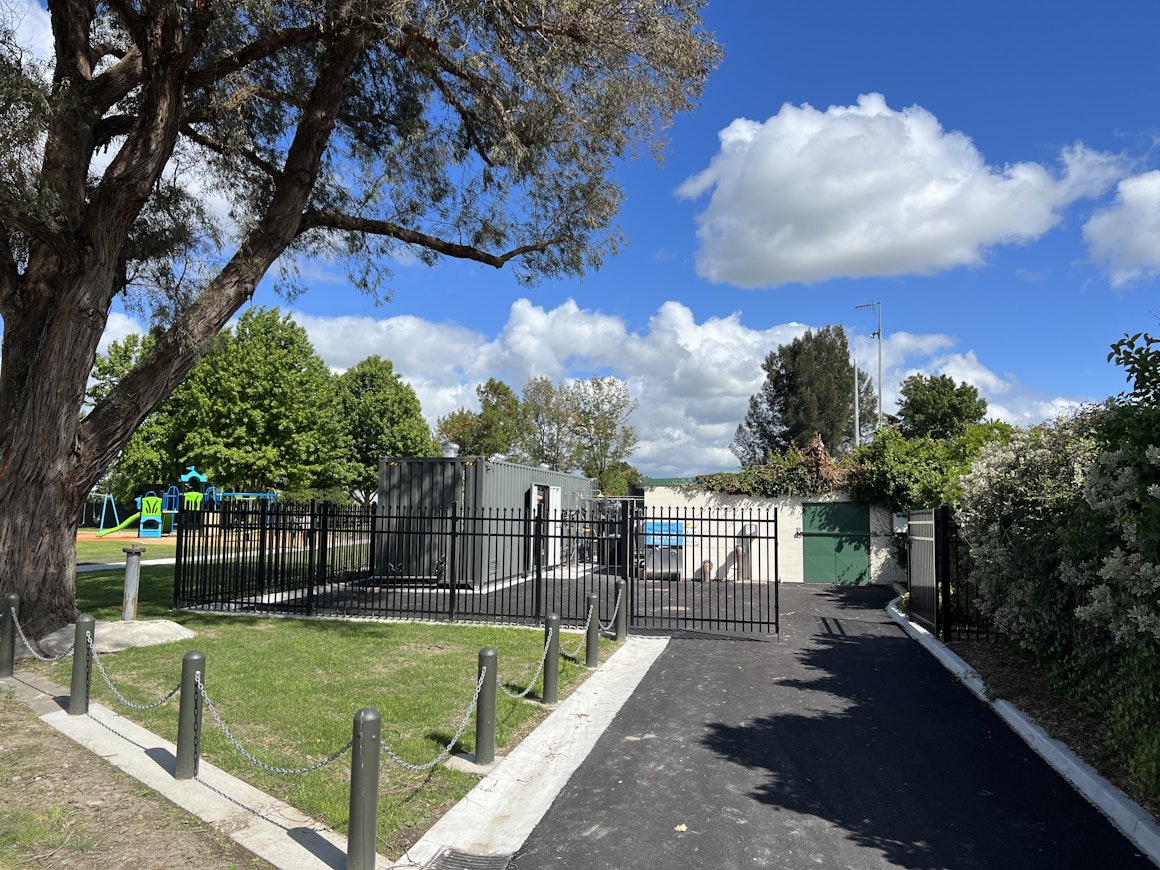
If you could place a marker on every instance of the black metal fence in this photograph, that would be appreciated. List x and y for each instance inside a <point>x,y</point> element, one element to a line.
<point>699,570</point>
<point>944,599</point>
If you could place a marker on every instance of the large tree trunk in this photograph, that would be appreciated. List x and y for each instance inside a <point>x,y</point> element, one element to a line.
<point>48,349</point>
<point>54,315</point>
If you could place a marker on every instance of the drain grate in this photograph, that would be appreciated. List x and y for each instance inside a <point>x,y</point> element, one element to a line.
<point>453,859</point>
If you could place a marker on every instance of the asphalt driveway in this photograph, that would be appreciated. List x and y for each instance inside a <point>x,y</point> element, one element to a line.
<point>844,745</point>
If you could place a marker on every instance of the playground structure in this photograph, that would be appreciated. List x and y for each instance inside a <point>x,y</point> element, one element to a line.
<point>155,513</point>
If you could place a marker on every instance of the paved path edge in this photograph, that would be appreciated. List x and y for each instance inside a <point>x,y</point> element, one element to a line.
<point>496,817</point>
<point>1136,823</point>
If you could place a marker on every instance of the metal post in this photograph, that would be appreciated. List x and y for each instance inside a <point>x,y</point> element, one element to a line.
<point>485,707</point>
<point>592,639</point>
<point>942,549</point>
<point>82,671</point>
<point>132,582</point>
<point>538,564</point>
<point>621,610</point>
<point>552,659</point>
<point>8,633</point>
<point>364,789</point>
<point>189,716</point>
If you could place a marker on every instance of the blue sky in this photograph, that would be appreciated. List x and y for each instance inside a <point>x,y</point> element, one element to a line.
<point>988,172</point>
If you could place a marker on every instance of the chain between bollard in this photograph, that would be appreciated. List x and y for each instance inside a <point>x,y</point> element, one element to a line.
<point>28,646</point>
<point>113,689</point>
<point>611,619</point>
<point>536,676</point>
<point>287,771</point>
<point>572,654</point>
<point>390,753</point>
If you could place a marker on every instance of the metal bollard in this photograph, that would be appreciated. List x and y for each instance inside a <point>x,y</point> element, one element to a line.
<point>622,611</point>
<point>551,693</point>
<point>8,633</point>
<point>366,735</point>
<point>132,582</point>
<point>592,641</point>
<point>189,716</point>
<point>82,671</point>
<point>485,708</point>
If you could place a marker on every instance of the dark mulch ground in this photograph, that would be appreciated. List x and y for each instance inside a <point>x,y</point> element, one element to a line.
<point>1013,675</point>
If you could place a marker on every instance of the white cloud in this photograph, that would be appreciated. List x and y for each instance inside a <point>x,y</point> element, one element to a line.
<point>1123,236</point>
<point>116,328</point>
<point>866,190</point>
<point>692,379</point>
<point>32,26</point>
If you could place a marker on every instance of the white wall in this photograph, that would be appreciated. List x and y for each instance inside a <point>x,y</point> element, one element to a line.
<point>883,567</point>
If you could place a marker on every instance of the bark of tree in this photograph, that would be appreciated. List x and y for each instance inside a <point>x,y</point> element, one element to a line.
<point>55,313</point>
<point>172,72</point>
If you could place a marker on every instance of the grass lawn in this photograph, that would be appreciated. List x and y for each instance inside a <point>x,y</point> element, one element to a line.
<point>110,549</point>
<point>288,690</point>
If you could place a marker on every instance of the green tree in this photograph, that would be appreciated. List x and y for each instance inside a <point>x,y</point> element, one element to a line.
<point>494,428</point>
<point>618,478</point>
<point>808,392</point>
<point>602,408</point>
<point>933,407</point>
<point>150,457</point>
<point>383,417</point>
<point>355,130</point>
<point>548,425</point>
<point>261,411</point>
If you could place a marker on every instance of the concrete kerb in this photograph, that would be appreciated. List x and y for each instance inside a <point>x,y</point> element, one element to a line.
<point>496,817</point>
<point>1136,823</point>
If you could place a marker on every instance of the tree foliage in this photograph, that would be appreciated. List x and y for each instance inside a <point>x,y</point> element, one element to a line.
<point>382,417</point>
<point>258,413</point>
<point>353,129</point>
<point>918,472</point>
<point>933,407</point>
<point>601,409</point>
<point>1139,356</point>
<point>1063,524</point>
<point>579,426</point>
<point>793,471</point>
<point>547,433</point>
<point>494,429</point>
<point>808,392</point>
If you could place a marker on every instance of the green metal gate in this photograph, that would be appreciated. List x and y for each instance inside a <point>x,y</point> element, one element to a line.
<point>836,543</point>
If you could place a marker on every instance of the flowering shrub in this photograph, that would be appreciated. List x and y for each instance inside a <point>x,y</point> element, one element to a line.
<point>1063,523</point>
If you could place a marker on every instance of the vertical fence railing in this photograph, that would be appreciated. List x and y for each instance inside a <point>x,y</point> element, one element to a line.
<point>707,569</point>
<point>944,598</point>
<point>922,573</point>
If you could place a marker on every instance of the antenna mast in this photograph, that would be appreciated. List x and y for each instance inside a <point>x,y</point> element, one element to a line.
<point>877,306</point>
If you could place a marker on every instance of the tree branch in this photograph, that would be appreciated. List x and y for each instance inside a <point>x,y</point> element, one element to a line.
<point>249,156</point>
<point>315,219</point>
<point>257,50</point>
<point>111,422</point>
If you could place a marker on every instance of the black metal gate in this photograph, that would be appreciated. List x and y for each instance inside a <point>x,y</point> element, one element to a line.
<point>923,529</point>
<point>705,570</point>
<point>943,597</point>
<point>709,570</point>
